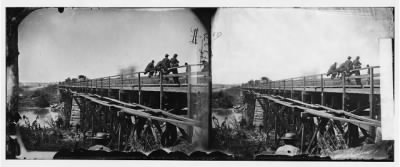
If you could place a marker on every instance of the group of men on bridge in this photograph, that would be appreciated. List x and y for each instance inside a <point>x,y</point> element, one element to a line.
<point>166,66</point>
<point>346,69</point>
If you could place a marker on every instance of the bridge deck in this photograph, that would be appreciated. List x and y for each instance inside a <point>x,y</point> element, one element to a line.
<point>135,87</point>
<point>188,82</point>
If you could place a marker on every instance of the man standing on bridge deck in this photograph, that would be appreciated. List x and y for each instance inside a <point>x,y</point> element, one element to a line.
<point>357,65</point>
<point>341,70</point>
<point>150,69</point>
<point>289,148</point>
<point>174,63</point>
<point>158,67</point>
<point>165,66</point>
<point>348,65</point>
<point>332,71</point>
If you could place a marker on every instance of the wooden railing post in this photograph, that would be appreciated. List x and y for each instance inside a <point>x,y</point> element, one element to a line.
<point>101,86</point>
<point>284,87</point>
<point>122,81</point>
<point>139,90</point>
<point>322,90</point>
<point>343,92</point>
<point>291,90</point>
<point>304,89</point>
<point>109,87</point>
<point>120,89</point>
<point>161,90</point>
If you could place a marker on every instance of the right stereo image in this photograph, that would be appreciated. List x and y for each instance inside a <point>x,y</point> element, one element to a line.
<point>303,83</point>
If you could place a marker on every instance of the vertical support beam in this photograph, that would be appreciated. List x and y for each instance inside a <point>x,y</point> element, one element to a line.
<point>322,90</point>
<point>343,92</point>
<point>372,113</point>
<point>101,87</point>
<point>94,86</point>
<point>139,90</point>
<point>284,87</point>
<point>161,90</point>
<point>120,88</point>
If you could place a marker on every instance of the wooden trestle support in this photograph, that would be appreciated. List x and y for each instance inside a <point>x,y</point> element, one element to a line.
<point>320,129</point>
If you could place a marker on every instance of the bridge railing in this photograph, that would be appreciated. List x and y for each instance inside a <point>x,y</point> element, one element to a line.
<point>139,79</point>
<point>369,76</point>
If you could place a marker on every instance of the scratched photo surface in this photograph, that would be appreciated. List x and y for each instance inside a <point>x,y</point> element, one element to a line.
<point>95,83</point>
<point>302,83</point>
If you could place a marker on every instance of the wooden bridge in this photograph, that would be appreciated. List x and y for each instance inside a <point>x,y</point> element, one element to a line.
<point>328,114</point>
<point>135,107</point>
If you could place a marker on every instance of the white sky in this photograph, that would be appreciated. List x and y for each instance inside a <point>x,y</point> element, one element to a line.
<point>99,42</point>
<point>288,42</point>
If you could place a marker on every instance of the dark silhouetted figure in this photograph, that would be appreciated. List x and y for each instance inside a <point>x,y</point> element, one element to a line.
<point>165,66</point>
<point>174,63</point>
<point>348,64</point>
<point>332,71</point>
<point>150,69</point>
<point>205,66</point>
<point>357,65</point>
<point>158,67</point>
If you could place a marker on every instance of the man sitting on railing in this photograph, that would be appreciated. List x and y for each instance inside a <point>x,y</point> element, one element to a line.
<point>332,71</point>
<point>165,65</point>
<point>150,69</point>
<point>341,70</point>
<point>158,67</point>
<point>357,65</point>
<point>348,65</point>
<point>174,63</point>
<point>345,68</point>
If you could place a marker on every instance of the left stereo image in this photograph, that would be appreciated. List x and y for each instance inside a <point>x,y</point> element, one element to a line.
<point>121,83</point>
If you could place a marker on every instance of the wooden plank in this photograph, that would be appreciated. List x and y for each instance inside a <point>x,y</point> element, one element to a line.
<point>165,113</point>
<point>350,114</point>
<point>141,113</point>
<point>323,113</point>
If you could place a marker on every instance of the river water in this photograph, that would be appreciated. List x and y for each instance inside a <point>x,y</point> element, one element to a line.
<point>45,116</point>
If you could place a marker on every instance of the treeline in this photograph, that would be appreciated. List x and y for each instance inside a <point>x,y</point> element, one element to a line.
<point>257,82</point>
<point>80,78</point>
